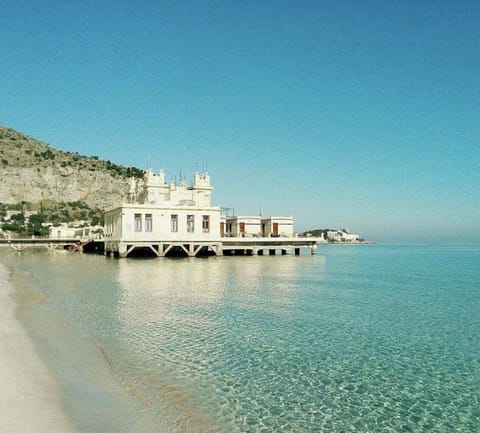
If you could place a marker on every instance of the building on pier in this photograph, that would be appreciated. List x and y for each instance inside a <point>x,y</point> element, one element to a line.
<point>278,227</point>
<point>258,226</point>
<point>162,216</point>
<point>166,218</point>
<point>243,226</point>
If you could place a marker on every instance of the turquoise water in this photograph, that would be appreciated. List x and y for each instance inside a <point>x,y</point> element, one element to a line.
<point>361,338</point>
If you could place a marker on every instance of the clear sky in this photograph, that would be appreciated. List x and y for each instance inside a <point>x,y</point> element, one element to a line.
<point>357,114</point>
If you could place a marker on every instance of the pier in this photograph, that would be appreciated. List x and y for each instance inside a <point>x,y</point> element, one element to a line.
<point>270,246</point>
<point>227,246</point>
<point>70,244</point>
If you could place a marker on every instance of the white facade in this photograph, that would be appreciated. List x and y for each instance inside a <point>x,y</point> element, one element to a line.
<point>278,227</point>
<point>342,236</point>
<point>159,212</point>
<point>167,218</point>
<point>64,231</point>
<point>350,237</point>
<point>140,222</point>
<point>154,190</point>
<point>244,226</point>
<point>61,232</point>
<point>27,214</point>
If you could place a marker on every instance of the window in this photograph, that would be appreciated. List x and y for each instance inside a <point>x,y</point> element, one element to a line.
<point>190,223</point>
<point>138,222</point>
<point>148,222</point>
<point>174,223</point>
<point>205,223</point>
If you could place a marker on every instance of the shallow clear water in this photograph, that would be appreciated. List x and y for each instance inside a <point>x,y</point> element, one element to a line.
<point>364,338</point>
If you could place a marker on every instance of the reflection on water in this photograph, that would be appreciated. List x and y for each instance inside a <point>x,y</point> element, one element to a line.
<point>199,282</point>
<point>363,339</point>
<point>181,315</point>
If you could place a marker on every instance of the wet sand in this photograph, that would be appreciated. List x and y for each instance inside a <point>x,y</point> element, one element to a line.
<point>30,399</point>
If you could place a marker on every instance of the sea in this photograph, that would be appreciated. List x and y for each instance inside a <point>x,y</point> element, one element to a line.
<point>359,338</point>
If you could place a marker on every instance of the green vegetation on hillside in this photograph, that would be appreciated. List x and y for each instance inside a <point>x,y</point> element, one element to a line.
<point>34,165</point>
<point>50,212</point>
<point>316,233</point>
<point>20,150</point>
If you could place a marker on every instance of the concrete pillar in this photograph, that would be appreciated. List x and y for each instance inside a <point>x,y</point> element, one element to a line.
<point>160,250</point>
<point>314,249</point>
<point>122,250</point>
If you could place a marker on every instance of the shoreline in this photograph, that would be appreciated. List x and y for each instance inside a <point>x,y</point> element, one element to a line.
<point>30,398</point>
<point>71,374</point>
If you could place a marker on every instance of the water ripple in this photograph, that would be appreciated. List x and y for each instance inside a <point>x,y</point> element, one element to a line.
<point>374,339</point>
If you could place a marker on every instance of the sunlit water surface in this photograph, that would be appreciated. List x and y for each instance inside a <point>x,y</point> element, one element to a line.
<point>357,339</point>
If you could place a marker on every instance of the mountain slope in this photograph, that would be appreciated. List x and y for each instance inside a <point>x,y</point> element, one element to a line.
<point>32,171</point>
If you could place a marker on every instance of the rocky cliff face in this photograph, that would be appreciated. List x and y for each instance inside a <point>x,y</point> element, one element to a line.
<point>32,171</point>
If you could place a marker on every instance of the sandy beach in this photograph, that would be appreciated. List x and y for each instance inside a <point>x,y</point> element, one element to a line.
<point>30,400</point>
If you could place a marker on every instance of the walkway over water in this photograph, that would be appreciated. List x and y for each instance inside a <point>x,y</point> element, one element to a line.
<point>223,246</point>
<point>259,246</point>
<point>219,247</point>
<point>20,244</point>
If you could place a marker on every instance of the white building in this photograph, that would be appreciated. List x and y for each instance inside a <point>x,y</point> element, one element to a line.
<point>63,231</point>
<point>67,231</point>
<point>244,226</point>
<point>342,236</point>
<point>27,214</point>
<point>164,217</point>
<point>278,227</point>
<point>168,218</point>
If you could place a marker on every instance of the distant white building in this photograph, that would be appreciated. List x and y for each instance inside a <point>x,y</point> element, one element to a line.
<point>342,236</point>
<point>62,231</point>
<point>27,214</point>
<point>67,231</point>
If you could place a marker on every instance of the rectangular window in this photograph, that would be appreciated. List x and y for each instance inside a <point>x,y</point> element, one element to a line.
<point>174,223</point>
<point>190,223</point>
<point>138,222</point>
<point>148,222</point>
<point>205,223</point>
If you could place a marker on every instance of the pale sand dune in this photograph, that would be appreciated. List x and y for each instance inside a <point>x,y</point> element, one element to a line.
<point>30,401</point>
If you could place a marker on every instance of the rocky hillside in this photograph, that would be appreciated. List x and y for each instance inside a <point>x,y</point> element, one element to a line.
<point>34,172</point>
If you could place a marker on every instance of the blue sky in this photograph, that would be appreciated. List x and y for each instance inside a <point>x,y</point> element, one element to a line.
<point>358,114</point>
